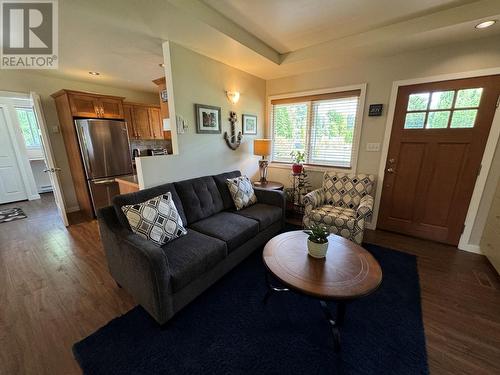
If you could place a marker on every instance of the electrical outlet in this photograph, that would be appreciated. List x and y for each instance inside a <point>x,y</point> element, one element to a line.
<point>373,147</point>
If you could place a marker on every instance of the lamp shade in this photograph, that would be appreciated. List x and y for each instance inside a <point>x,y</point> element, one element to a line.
<point>262,147</point>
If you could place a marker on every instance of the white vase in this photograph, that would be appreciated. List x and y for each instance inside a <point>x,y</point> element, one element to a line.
<point>317,250</point>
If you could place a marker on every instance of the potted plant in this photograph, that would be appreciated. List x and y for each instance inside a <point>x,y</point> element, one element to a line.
<point>298,157</point>
<point>317,243</point>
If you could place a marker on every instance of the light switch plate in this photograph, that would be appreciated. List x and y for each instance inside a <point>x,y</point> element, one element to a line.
<point>373,147</point>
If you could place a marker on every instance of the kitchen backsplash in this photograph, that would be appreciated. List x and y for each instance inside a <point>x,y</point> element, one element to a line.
<point>144,145</point>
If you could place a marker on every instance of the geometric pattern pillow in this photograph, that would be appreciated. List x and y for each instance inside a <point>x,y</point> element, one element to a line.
<point>241,191</point>
<point>346,190</point>
<point>156,220</point>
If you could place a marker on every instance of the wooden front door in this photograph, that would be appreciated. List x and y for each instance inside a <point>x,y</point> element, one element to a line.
<point>437,143</point>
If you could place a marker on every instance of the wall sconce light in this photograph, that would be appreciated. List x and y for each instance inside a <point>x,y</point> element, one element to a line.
<point>233,96</point>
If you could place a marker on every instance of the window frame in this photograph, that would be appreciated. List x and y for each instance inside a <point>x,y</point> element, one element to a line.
<point>357,126</point>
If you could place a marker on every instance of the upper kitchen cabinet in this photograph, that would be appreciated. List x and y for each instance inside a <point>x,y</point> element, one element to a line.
<point>143,121</point>
<point>88,105</point>
<point>155,121</point>
<point>162,93</point>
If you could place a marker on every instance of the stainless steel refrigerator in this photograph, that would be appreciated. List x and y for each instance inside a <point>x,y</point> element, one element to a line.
<point>105,152</point>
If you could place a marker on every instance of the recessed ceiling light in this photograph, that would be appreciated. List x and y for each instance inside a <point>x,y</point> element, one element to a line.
<point>162,65</point>
<point>485,24</point>
<point>94,73</point>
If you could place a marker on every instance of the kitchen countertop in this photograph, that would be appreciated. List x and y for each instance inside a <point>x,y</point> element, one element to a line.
<point>128,180</point>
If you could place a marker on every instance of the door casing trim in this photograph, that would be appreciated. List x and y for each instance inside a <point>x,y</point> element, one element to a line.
<point>486,160</point>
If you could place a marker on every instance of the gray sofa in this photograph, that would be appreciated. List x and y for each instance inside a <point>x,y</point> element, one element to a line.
<point>165,279</point>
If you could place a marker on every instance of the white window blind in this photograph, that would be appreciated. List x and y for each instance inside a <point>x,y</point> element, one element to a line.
<point>321,125</point>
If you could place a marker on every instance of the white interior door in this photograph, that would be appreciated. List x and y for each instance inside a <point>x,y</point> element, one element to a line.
<point>11,183</point>
<point>52,168</point>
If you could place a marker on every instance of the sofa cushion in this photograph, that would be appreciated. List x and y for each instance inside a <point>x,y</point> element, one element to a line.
<point>192,255</point>
<point>155,220</point>
<point>200,198</point>
<point>229,227</point>
<point>220,181</point>
<point>143,195</point>
<point>265,214</point>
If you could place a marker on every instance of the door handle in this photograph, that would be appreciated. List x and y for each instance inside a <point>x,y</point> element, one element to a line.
<point>391,170</point>
<point>51,170</point>
<point>105,182</point>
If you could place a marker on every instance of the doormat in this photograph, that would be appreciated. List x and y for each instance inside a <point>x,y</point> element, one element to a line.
<point>11,214</point>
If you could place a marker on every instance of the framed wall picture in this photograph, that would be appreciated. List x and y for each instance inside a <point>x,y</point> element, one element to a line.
<point>249,124</point>
<point>208,119</point>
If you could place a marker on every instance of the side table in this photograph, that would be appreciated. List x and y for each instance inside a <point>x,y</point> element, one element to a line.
<point>269,185</point>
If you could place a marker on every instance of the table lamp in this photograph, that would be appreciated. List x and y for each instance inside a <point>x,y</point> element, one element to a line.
<point>262,147</point>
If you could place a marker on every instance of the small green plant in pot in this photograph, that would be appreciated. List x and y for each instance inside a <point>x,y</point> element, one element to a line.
<point>298,157</point>
<point>317,243</point>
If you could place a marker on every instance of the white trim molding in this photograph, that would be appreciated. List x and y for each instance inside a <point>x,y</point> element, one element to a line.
<point>464,243</point>
<point>357,127</point>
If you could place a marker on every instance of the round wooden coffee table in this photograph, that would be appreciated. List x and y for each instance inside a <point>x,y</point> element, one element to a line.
<point>348,272</point>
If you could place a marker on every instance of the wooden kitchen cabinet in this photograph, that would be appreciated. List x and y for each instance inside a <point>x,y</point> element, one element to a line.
<point>111,107</point>
<point>143,121</point>
<point>162,86</point>
<point>155,122</point>
<point>88,105</point>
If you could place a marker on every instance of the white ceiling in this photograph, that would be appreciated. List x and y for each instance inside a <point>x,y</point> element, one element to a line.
<point>122,39</point>
<point>290,25</point>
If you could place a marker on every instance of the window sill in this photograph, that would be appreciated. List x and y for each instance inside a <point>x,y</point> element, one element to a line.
<point>312,167</point>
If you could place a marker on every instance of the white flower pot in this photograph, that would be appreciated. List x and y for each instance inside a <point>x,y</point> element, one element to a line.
<point>317,250</point>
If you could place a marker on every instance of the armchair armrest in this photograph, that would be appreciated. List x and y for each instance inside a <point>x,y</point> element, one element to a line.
<point>138,265</point>
<point>313,200</point>
<point>365,208</point>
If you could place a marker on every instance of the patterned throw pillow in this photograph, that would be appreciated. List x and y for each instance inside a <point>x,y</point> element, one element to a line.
<point>156,220</point>
<point>241,191</point>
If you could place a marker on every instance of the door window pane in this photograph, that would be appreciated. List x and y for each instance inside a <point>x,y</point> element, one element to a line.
<point>464,118</point>
<point>418,102</point>
<point>437,120</point>
<point>442,99</point>
<point>468,98</point>
<point>29,127</point>
<point>415,120</point>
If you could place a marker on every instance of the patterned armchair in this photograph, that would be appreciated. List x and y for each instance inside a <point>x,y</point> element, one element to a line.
<point>342,205</point>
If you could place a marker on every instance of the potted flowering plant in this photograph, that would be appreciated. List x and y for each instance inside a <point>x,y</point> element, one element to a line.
<point>298,157</point>
<point>317,242</point>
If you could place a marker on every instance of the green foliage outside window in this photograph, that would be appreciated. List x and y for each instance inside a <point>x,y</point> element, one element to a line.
<point>29,127</point>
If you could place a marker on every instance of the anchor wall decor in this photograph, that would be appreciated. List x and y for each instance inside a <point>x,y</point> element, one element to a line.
<point>233,141</point>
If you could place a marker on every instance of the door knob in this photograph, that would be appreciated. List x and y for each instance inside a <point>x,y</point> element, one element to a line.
<point>390,170</point>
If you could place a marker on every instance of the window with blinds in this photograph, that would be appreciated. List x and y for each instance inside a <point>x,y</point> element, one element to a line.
<point>321,125</point>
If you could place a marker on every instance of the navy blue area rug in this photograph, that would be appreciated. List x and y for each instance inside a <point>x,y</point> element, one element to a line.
<point>228,330</point>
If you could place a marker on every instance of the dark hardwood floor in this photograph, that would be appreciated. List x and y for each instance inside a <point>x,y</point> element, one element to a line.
<point>55,290</point>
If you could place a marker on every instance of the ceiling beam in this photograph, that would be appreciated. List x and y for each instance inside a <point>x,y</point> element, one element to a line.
<point>225,25</point>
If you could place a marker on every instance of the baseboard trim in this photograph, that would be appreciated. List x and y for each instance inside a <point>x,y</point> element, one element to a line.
<point>72,209</point>
<point>476,249</point>
<point>370,226</point>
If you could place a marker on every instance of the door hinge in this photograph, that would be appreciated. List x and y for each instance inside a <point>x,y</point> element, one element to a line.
<point>479,170</point>
<point>498,101</point>
<point>463,229</point>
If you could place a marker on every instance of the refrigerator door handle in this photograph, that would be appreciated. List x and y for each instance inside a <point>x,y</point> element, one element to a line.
<point>105,182</point>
